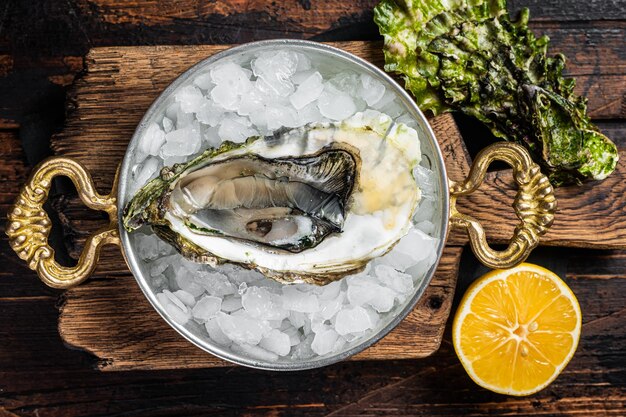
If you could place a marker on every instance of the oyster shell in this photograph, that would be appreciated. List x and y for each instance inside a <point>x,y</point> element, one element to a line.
<point>285,203</point>
<point>311,204</point>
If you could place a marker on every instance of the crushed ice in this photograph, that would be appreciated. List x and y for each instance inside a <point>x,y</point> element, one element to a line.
<point>241,309</point>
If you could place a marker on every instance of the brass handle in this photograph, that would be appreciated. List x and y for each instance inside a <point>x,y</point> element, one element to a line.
<point>534,205</point>
<point>29,226</point>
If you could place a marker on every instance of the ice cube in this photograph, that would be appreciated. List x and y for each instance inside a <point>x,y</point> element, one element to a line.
<point>303,350</point>
<point>175,300</point>
<point>271,285</point>
<point>242,288</point>
<point>254,352</point>
<point>174,307</point>
<point>168,125</point>
<point>339,344</point>
<point>275,324</point>
<point>231,303</point>
<point>336,105</point>
<point>241,313</point>
<point>210,114</point>
<point>426,179</point>
<point>277,342</point>
<point>150,247</point>
<point>374,295</point>
<point>190,266</point>
<point>296,300</point>
<point>305,287</point>
<point>179,316</point>
<point>400,282</point>
<point>269,94</point>
<point>304,63</point>
<point>276,116</point>
<point>261,303</point>
<point>328,308</point>
<point>215,283</point>
<point>172,111</point>
<point>241,328</point>
<point>187,299</point>
<point>419,270</point>
<point>160,283</point>
<point>260,119</point>
<point>308,91</point>
<point>362,277</point>
<point>306,329</point>
<point>159,265</point>
<point>330,291</point>
<point>345,82</point>
<point>370,89</point>
<point>232,82</point>
<point>215,332</point>
<point>360,104</point>
<point>318,323</point>
<point>293,333</point>
<point>386,99</point>
<point>236,129</point>
<point>182,142</point>
<point>206,308</point>
<point>373,315</point>
<point>425,210</point>
<point>300,76</point>
<point>239,274</point>
<point>410,250</point>
<point>152,140</point>
<point>309,114</point>
<point>231,76</point>
<point>352,320</point>
<point>186,282</point>
<point>426,226</point>
<point>190,98</point>
<point>351,337</point>
<point>252,102</point>
<point>297,319</point>
<point>276,69</point>
<point>211,137</point>
<point>324,341</point>
<point>225,97</point>
<point>361,292</point>
<point>146,171</point>
<point>203,81</point>
<point>184,119</point>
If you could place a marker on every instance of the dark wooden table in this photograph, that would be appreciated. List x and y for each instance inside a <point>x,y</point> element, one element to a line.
<point>42,45</point>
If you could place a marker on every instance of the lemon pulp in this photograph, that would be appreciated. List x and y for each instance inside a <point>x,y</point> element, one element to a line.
<point>516,329</point>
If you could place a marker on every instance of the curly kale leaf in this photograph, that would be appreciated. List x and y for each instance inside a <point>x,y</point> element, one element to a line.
<point>469,56</point>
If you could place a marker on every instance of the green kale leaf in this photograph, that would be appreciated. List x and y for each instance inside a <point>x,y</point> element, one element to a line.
<point>469,56</point>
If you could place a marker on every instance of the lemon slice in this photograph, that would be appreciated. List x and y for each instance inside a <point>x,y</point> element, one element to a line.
<point>516,329</point>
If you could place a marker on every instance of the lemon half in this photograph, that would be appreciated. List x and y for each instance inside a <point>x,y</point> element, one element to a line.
<point>516,329</point>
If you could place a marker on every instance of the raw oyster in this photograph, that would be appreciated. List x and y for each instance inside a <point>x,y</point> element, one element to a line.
<point>311,204</point>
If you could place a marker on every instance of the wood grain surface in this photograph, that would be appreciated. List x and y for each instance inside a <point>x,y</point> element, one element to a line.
<point>43,47</point>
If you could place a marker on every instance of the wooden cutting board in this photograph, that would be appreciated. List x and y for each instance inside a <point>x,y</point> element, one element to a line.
<point>109,316</point>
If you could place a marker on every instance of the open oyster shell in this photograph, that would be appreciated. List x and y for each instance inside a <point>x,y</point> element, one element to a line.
<point>311,204</point>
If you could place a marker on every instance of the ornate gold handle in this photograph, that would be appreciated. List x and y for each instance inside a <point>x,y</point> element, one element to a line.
<point>29,226</point>
<point>534,204</point>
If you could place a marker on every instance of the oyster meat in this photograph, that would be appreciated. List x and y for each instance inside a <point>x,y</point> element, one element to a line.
<point>311,204</point>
